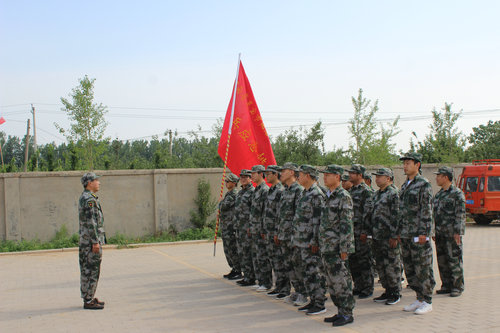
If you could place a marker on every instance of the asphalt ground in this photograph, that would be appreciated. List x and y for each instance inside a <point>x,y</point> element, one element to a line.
<point>179,288</point>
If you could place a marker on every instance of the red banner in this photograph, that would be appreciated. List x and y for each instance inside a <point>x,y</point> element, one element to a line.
<point>249,143</point>
<point>2,120</point>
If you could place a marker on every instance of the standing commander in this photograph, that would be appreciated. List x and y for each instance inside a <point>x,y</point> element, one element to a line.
<point>92,238</point>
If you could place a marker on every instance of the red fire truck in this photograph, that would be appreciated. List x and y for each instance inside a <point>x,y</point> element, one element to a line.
<point>481,185</point>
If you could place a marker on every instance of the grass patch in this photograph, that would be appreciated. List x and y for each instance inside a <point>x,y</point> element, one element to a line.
<point>62,239</point>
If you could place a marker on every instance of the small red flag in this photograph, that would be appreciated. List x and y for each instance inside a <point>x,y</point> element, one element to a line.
<point>249,143</point>
<point>2,120</point>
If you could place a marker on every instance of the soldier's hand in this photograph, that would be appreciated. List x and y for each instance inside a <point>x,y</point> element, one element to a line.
<point>314,249</point>
<point>343,256</point>
<point>263,236</point>
<point>393,242</point>
<point>458,240</point>
<point>276,240</point>
<point>434,238</point>
<point>362,238</point>
<point>422,239</point>
<point>248,233</point>
<point>95,248</point>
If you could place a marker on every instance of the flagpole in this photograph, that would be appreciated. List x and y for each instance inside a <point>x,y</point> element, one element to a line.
<point>227,149</point>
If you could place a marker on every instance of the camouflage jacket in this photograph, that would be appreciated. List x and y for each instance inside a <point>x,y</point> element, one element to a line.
<point>91,219</point>
<point>449,212</point>
<point>382,214</point>
<point>360,195</point>
<point>307,218</point>
<point>257,211</point>
<point>226,209</point>
<point>336,233</point>
<point>242,206</point>
<point>288,204</point>
<point>272,210</point>
<point>415,208</point>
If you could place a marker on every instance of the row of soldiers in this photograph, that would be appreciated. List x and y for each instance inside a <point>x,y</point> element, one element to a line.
<point>325,238</point>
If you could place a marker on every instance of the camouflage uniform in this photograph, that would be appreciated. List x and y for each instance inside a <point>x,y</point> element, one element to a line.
<point>415,211</point>
<point>91,230</point>
<point>383,219</point>
<point>226,217</point>
<point>360,261</point>
<point>305,235</point>
<point>242,224</point>
<point>449,219</point>
<point>261,263</point>
<point>290,256</point>
<point>336,236</point>
<point>271,215</point>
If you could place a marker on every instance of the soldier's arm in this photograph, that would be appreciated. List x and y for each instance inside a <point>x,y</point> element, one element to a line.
<point>92,219</point>
<point>367,201</point>
<point>316,218</point>
<point>425,221</point>
<point>346,232</point>
<point>459,227</point>
<point>394,215</point>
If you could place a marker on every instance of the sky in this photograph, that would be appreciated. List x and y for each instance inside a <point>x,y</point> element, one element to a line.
<point>171,65</point>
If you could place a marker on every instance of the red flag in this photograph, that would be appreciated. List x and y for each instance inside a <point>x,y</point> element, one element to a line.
<point>2,120</point>
<point>249,143</point>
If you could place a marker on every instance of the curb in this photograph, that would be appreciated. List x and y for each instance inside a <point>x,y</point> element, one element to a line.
<point>107,247</point>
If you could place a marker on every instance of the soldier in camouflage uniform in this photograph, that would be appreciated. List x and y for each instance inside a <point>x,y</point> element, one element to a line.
<point>368,179</point>
<point>415,211</point>
<point>261,263</point>
<point>242,224</point>
<point>306,238</point>
<point>449,221</point>
<point>92,238</point>
<point>384,222</point>
<point>336,239</point>
<point>361,261</point>
<point>290,255</point>
<point>346,182</point>
<point>270,224</point>
<point>226,217</point>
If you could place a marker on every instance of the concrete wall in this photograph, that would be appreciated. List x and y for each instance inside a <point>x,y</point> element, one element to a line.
<point>135,202</point>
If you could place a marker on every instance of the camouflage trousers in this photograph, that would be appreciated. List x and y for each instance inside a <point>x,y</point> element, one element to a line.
<point>230,247</point>
<point>244,245</point>
<point>291,268</point>
<point>282,283</point>
<point>388,263</point>
<point>261,261</point>
<point>417,261</point>
<point>314,280</point>
<point>360,264</point>
<point>90,268</point>
<point>339,282</point>
<point>450,262</point>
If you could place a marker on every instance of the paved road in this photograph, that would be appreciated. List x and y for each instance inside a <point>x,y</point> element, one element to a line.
<point>179,288</point>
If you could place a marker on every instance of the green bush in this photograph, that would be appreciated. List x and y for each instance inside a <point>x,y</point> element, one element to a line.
<point>205,205</point>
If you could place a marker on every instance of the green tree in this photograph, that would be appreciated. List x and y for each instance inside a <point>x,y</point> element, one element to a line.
<point>445,143</point>
<point>485,141</point>
<point>87,121</point>
<point>302,146</point>
<point>205,205</point>
<point>371,145</point>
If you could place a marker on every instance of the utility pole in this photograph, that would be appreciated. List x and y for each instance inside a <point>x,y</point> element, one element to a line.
<point>34,136</point>
<point>27,147</point>
<point>170,136</point>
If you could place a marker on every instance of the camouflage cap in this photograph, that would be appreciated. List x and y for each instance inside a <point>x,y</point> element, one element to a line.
<point>290,166</point>
<point>273,168</point>
<point>333,168</point>
<point>309,169</point>
<point>367,176</point>
<point>231,177</point>
<point>88,177</point>
<point>411,156</point>
<point>445,170</point>
<point>384,172</point>
<point>245,172</point>
<point>357,168</point>
<point>258,168</point>
<point>345,178</point>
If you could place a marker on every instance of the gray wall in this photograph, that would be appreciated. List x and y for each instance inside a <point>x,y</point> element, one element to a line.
<point>135,202</point>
